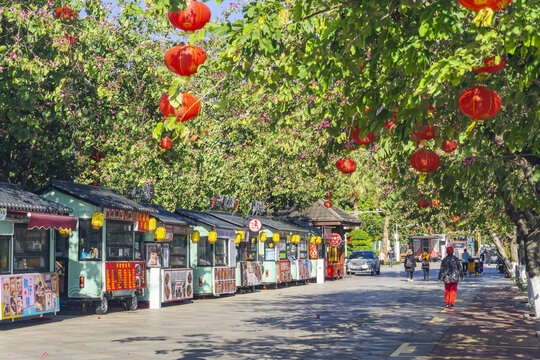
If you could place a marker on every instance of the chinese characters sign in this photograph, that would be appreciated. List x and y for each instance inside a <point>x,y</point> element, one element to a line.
<point>125,275</point>
<point>284,270</point>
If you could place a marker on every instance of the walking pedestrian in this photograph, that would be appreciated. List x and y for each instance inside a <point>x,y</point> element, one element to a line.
<point>381,258</point>
<point>410,264</point>
<point>391,257</point>
<point>465,258</point>
<point>450,274</point>
<point>425,264</point>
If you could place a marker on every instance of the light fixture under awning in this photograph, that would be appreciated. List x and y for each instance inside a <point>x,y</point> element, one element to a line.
<point>50,221</point>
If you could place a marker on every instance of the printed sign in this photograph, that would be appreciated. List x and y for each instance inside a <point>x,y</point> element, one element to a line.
<point>153,255</point>
<point>29,294</point>
<point>224,280</point>
<point>284,270</point>
<point>255,225</point>
<point>313,251</point>
<point>177,284</point>
<point>334,239</point>
<point>304,269</point>
<point>251,273</point>
<point>125,275</point>
<point>270,254</point>
<point>3,213</point>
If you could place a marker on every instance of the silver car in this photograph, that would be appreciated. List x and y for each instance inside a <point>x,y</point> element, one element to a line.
<point>363,261</point>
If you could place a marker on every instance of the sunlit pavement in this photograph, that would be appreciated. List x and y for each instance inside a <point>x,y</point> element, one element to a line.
<point>359,317</point>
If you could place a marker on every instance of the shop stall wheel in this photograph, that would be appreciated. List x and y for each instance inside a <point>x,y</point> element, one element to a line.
<point>132,303</point>
<point>102,306</point>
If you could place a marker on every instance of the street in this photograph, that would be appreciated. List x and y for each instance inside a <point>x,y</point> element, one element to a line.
<point>359,317</point>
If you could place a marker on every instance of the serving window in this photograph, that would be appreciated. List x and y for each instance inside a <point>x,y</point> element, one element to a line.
<point>282,248</point>
<point>204,252</point>
<point>303,249</point>
<point>30,249</point>
<point>119,241</point>
<point>89,241</point>
<point>222,252</point>
<point>138,247</point>
<point>4,254</point>
<point>292,250</point>
<point>178,251</point>
<point>247,251</point>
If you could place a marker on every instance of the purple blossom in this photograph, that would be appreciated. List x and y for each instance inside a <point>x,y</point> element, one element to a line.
<point>325,124</point>
<point>469,160</point>
<point>12,54</point>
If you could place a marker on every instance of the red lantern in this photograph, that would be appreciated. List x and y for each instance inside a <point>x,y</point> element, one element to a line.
<point>425,160</point>
<point>184,59</point>
<point>350,238</point>
<point>448,146</point>
<point>427,133</point>
<point>436,202</point>
<point>166,143</point>
<point>424,204</point>
<point>370,137</point>
<point>479,103</point>
<point>346,165</point>
<point>328,204</point>
<point>189,109</point>
<point>476,5</point>
<point>328,195</point>
<point>196,15</point>
<point>490,66</point>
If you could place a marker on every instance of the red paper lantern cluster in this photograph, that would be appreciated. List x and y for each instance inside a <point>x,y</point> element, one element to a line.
<point>64,12</point>
<point>479,103</point>
<point>490,66</point>
<point>190,107</point>
<point>328,204</point>
<point>184,60</point>
<point>195,17</point>
<point>425,161</point>
<point>449,146</point>
<point>355,136</point>
<point>346,165</point>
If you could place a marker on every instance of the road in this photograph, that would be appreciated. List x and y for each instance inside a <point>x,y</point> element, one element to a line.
<point>359,317</point>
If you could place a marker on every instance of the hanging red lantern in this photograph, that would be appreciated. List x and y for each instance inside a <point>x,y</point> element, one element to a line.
<point>425,160</point>
<point>490,66</point>
<point>350,238</point>
<point>436,202</point>
<point>355,136</point>
<point>448,146</point>
<point>190,108</point>
<point>427,133</point>
<point>479,103</point>
<point>184,59</point>
<point>196,15</point>
<point>328,204</point>
<point>346,165</point>
<point>166,143</point>
<point>328,195</point>
<point>424,204</point>
<point>477,5</point>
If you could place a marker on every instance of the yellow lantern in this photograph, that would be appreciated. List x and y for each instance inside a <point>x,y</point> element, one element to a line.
<point>195,236</point>
<point>160,233</point>
<point>241,233</point>
<point>312,239</point>
<point>275,238</point>
<point>64,232</point>
<point>271,245</point>
<point>296,239</point>
<point>262,237</point>
<point>318,240</point>
<point>238,239</point>
<point>212,237</point>
<point>97,220</point>
<point>152,225</point>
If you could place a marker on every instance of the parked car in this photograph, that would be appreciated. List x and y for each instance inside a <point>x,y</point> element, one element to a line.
<point>363,261</point>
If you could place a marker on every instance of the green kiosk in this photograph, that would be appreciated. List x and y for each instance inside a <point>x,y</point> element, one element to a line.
<point>104,257</point>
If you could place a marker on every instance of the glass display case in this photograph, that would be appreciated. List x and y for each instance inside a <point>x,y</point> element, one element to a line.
<point>222,252</point>
<point>178,251</point>
<point>247,251</point>
<point>30,249</point>
<point>138,246</point>
<point>4,254</point>
<point>204,252</point>
<point>119,241</point>
<point>89,241</point>
<point>303,248</point>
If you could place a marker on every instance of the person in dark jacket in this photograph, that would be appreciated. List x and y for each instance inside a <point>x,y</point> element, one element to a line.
<point>450,273</point>
<point>410,264</point>
<point>425,264</point>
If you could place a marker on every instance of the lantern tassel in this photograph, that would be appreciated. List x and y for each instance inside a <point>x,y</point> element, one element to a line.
<point>422,178</point>
<point>471,127</point>
<point>483,76</point>
<point>484,17</point>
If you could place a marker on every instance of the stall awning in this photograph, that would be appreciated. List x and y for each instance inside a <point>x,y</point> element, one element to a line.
<point>49,221</point>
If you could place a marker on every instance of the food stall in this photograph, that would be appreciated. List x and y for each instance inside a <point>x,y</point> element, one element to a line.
<point>314,245</point>
<point>335,254</point>
<point>248,266</point>
<point>213,254</point>
<point>166,253</point>
<point>105,258</point>
<point>29,226</point>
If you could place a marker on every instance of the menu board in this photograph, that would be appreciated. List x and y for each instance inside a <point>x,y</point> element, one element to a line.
<point>125,275</point>
<point>177,284</point>
<point>29,294</point>
<point>313,253</point>
<point>284,270</point>
<point>251,273</point>
<point>224,280</point>
<point>304,269</point>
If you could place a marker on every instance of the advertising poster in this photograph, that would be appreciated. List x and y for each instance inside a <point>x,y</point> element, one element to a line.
<point>270,254</point>
<point>224,280</point>
<point>153,255</point>
<point>304,269</point>
<point>177,284</point>
<point>29,294</point>
<point>284,270</point>
<point>313,253</point>
<point>251,273</point>
<point>125,275</point>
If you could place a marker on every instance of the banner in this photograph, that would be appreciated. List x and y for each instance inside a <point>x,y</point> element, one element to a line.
<point>251,273</point>
<point>313,252</point>
<point>224,280</point>
<point>29,294</point>
<point>284,270</point>
<point>304,269</point>
<point>177,284</point>
<point>125,275</point>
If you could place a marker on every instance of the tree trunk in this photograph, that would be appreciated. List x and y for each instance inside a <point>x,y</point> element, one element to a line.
<point>385,234</point>
<point>514,256</point>
<point>355,208</point>
<point>502,252</point>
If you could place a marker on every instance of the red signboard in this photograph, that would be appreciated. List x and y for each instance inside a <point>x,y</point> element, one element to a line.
<point>125,275</point>
<point>284,270</point>
<point>334,239</point>
<point>313,253</point>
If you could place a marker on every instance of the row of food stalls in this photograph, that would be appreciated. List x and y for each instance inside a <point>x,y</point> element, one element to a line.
<point>89,244</point>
